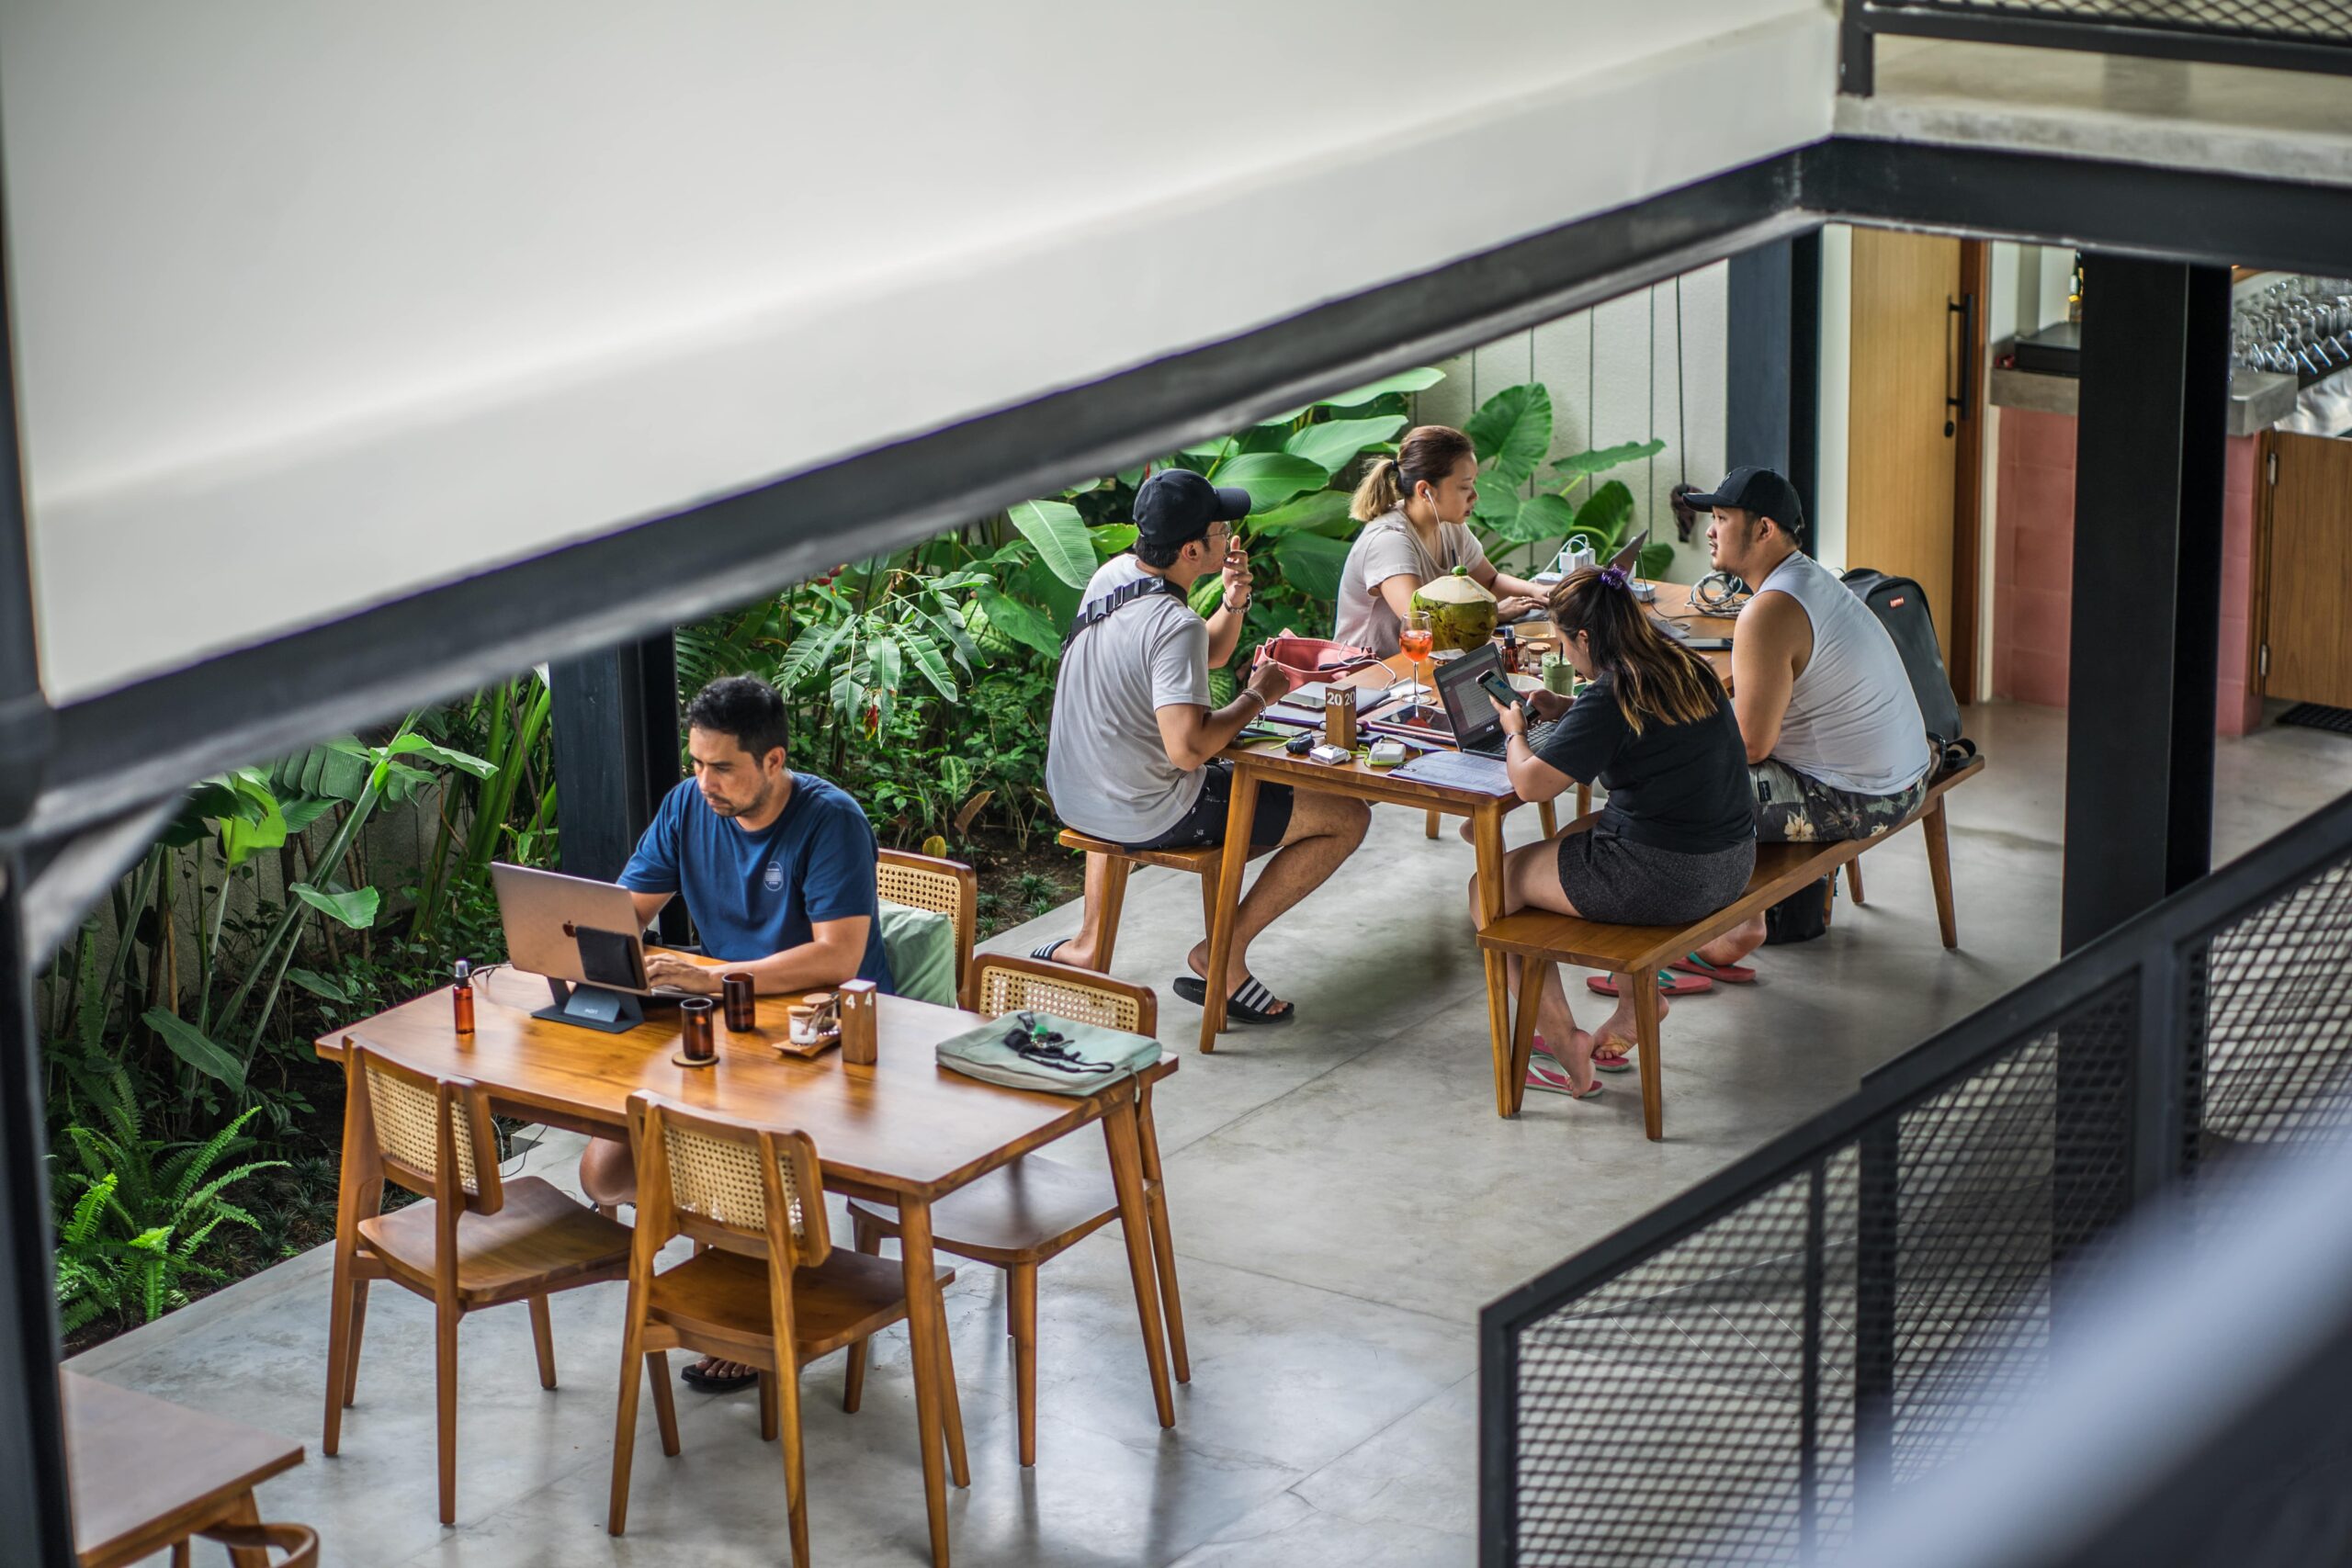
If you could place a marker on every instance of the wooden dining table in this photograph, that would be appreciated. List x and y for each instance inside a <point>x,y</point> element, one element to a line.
<point>1260,762</point>
<point>146,1474</point>
<point>904,1131</point>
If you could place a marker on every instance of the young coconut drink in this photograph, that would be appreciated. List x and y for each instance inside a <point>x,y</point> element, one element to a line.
<point>1461,611</point>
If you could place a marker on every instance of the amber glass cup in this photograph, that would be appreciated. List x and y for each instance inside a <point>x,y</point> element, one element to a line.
<point>741,996</point>
<point>694,1023</point>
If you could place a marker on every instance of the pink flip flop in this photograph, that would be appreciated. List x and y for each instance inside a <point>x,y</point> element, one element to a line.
<point>1553,1078</point>
<point>1668,983</point>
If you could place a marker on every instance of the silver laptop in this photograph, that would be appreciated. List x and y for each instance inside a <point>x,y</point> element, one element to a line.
<point>1628,559</point>
<point>585,937</point>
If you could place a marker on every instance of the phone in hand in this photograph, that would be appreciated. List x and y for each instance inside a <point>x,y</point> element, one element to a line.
<point>1709,645</point>
<point>1495,686</point>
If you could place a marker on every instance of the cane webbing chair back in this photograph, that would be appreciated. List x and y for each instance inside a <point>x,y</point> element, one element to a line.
<point>745,1189</point>
<point>411,1112</point>
<point>943,886</point>
<point>1002,984</point>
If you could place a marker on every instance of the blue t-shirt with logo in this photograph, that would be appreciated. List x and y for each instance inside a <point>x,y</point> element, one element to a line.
<point>753,893</point>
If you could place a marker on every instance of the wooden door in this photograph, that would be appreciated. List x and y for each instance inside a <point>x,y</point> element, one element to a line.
<point>2308,627</point>
<point>1901,430</point>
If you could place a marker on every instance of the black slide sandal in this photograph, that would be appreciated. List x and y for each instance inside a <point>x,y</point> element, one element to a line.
<point>1046,952</point>
<point>693,1376</point>
<point>1247,1005</point>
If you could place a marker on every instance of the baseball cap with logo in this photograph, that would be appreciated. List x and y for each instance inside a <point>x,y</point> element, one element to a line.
<point>1177,505</point>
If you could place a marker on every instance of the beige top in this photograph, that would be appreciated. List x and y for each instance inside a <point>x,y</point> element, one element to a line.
<point>1389,548</point>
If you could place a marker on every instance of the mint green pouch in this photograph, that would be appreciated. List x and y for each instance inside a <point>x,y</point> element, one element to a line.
<point>1085,1058</point>
<point>921,946</point>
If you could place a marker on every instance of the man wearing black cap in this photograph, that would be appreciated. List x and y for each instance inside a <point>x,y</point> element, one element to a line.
<point>1835,746</point>
<point>1133,754</point>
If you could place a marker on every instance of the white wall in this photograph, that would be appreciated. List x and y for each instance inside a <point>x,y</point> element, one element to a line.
<point>1837,393</point>
<point>318,304</point>
<point>1612,376</point>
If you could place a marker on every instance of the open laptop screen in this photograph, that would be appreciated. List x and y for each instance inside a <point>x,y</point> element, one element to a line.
<point>1467,708</point>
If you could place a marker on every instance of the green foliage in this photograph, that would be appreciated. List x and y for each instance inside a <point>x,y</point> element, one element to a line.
<point>138,1212</point>
<point>1511,432</point>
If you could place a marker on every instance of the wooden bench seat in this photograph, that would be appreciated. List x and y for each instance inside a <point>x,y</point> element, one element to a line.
<point>1637,952</point>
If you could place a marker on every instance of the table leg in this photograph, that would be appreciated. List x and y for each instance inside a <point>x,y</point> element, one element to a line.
<point>926,1317</point>
<point>1487,837</point>
<point>1232,866</point>
<point>1135,1222</point>
<point>247,1513</point>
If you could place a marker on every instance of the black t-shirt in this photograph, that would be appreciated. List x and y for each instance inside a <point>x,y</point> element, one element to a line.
<point>1674,786</point>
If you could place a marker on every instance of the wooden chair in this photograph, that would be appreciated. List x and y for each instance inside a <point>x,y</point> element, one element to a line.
<point>479,1241</point>
<point>944,886</point>
<point>765,1289</point>
<point>1031,1211</point>
<point>1117,862</point>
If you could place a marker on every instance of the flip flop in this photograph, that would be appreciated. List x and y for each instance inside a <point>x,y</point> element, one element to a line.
<point>1668,983</point>
<point>1247,1005</point>
<point>1729,974</point>
<point>1547,1075</point>
<point>1047,951</point>
<point>1604,1058</point>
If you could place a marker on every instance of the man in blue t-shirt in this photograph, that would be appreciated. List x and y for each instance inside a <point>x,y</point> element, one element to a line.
<point>779,873</point>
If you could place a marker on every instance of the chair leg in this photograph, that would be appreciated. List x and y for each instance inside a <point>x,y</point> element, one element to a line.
<point>1430,828</point>
<point>1163,1243</point>
<point>1105,917</point>
<point>543,1338</point>
<point>1023,1278</point>
<point>1549,818</point>
<point>854,1372</point>
<point>1940,869</point>
<point>1211,885</point>
<point>1646,1021</point>
<point>796,1487</point>
<point>444,1368</point>
<point>767,1407</point>
<point>340,1350</point>
<point>951,1411</point>
<point>358,1327</point>
<point>633,1361</point>
<point>665,1402</point>
<point>1854,880</point>
<point>180,1558</point>
<point>1531,974</point>
<point>1135,1228</point>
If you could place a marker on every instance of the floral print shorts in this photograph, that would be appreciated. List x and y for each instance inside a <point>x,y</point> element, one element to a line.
<point>1794,808</point>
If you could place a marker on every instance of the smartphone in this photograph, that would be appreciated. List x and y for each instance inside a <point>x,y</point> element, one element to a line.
<point>1497,688</point>
<point>1709,645</point>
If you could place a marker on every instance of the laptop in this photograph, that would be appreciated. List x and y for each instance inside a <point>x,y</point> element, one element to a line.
<point>1477,728</point>
<point>1628,559</point>
<point>584,938</point>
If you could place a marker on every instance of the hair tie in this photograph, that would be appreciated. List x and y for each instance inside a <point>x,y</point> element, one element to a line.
<point>1613,575</point>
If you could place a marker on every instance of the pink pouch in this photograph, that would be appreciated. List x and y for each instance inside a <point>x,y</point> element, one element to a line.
<point>1306,659</point>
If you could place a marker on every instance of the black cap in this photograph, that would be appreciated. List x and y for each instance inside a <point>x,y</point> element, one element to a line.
<point>1177,505</point>
<point>1760,491</point>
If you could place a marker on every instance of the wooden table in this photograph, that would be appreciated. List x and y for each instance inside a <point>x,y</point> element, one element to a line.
<point>1258,762</point>
<point>145,1474</point>
<point>904,1131</point>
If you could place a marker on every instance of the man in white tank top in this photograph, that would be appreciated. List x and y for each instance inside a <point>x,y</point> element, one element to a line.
<point>1836,746</point>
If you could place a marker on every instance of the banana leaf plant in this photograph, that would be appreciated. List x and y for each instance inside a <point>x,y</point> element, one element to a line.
<point>1511,430</point>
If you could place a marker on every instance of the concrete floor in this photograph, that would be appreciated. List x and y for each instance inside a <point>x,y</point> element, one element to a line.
<point>1344,1201</point>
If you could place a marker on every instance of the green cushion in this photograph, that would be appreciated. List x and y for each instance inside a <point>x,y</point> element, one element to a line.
<point>920,946</point>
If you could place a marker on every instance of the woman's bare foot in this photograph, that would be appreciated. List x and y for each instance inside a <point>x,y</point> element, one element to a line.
<point>1617,1034</point>
<point>1576,1060</point>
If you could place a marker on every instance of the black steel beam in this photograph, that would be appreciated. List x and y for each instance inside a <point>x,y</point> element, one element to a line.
<point>33,1499</point>
<point>2194,215</point>
<point>1772,362</point>
<point>615,720</point>
<point>2148,474</point>
<point>2272,52</point>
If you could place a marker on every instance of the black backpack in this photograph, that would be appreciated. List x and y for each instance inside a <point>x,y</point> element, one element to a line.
<point>1901,606</point>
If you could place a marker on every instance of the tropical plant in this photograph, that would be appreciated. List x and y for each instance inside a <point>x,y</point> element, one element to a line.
<point>1511,430</point>
<point>134,1227</point>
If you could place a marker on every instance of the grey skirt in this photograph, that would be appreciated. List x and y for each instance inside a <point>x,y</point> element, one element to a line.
<point>1610,878</point>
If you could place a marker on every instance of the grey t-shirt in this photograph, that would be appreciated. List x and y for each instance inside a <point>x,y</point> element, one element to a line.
<point>1388,547</point>
<point>1106,767</point>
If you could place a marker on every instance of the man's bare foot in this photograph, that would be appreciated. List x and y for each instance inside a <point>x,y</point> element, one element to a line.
<point>1198,961</point>
<point>714,1376</point>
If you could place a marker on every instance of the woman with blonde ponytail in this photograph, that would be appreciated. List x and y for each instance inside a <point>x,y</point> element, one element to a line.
<point>1676,840</point>
<point>1414,508</point>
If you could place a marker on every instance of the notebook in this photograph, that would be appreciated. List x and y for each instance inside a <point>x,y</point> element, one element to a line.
<point>1456,770</point>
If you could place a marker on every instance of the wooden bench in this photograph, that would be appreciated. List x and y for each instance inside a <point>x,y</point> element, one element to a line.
<point>146,1475</point>
<point>1205,863</point>
<point>1637,952</point>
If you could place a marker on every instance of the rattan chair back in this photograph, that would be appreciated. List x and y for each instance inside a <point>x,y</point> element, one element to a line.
<point>749,1189</point>
<point>1002,983</point>
<point>944,886</point>
<point>420,1126</point>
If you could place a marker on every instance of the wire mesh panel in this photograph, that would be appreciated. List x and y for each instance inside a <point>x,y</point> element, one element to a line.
<point>2301,21</point>
<point>1664,1416</point>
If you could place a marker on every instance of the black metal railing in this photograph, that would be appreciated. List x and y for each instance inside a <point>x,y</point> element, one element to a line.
<point>2288,35</point>
<point>1732,1377</point>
